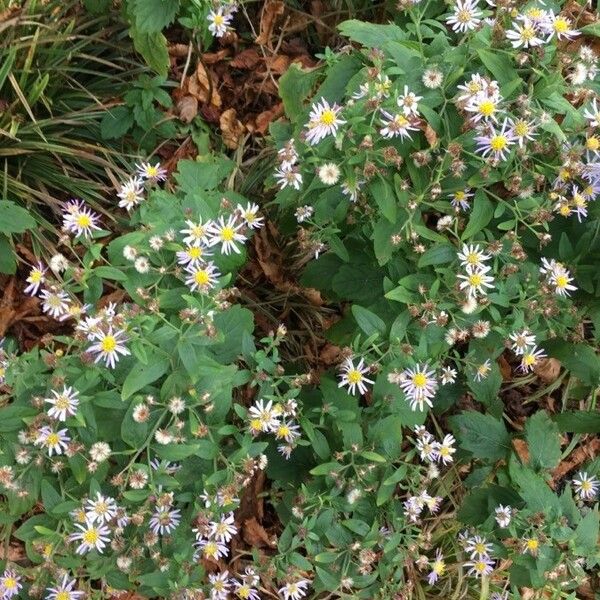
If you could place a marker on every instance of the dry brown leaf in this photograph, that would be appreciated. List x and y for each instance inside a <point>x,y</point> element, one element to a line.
<point>271,10</point>
<point>548,369</point>
<point>187,108</point>
<point>255,535</point>
<point>211,58</point>
<point>278,64</point>
<point>587,451</point>
<point>179,50</point>
<point>232,129</point>
<point>521,449</point>
<point>505,369</point>
<point>431,135</point>
<point>247,59</point>
<point>203,87</point>
<point>330,354</point>
<point>265,118</point>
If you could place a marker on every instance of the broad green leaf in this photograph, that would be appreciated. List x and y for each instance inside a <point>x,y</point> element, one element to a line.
<point>499,64</point>
<point>14,219</point>
<point>8,260</point>
<point>382,193</point>
<point>194,176</point>
<point>586,534</point>
<point>153,48</point>
<point>116,122</point>
<point>533,488</point>
<point>368,321</point>
<point>437,255</point>
<point>143,375</point>
<point>578,421</point>
<point>152,16</point>
<point>481,214</point>
<point>294,86</point>
<point>581,359</point>
<point>371,35</point>
<point>483,435</point>
<point>543,441</point>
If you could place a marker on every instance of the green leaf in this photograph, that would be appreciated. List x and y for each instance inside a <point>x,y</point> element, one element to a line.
<point>543,441</point>
<point>116,122</point>
<point>481,215</point>
<point>591,29</point>
<point>14,219</point>
<point>8,260</point>
<point>486,390</point>
<point>371,35</point>
<point>205,449</point>
<point>110,273</point>
<point>294,86</point>
<point>499,65</point>
<point>580,359</point>
<point>143,375</point>
<point>153,48</point>
<point>368,321</point>
<point>437,255</point>
<point>329,581</point>
<point>533,488</point>
<point>194,176</point>
<point>578,421</point>
<point>50,497</point>
<point>401,294</point>
<point>134,434</point>
<point>152,16</point>
<point>586,534</point>
<point>477,506</point>
<point>483,435</point>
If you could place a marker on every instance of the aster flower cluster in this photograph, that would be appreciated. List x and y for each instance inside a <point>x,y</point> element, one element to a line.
<point>132,192</point>
<point>276,419</point>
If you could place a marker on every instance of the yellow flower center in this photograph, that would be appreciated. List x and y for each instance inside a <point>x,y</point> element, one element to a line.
<point>283,431</point>
<point>528,33</point>
<point>498,143</point>
<point>194,252</point>
<point>219,20</point>
<point>36,276</point>
<point>487,108</point>
<point>152,171</point>
<point>201,277</point>
<point>84,220</point>
<point>532,544</point>
<point>561,281</point>
<point>521,128</point>
<point>227,234</point>
<point>463,16</point>
<point>474,87</point>
<point>439,567</point>
<point>419,380</point>
<point>256,425</point>
<point>62,403</point>
<point>63,596</point>
<point>564,210</point>
<point>586,486</point>
<point>593,143</point>
<point>108,344</point>
<point>210,549</point>
<point>327,117</point>
<point>480,566</point>
<point>475,279</point>
<point>354,376</point>
<point>480,547</point>
<point>561,25</point>
<point>472,258</point>
<point>91,536</point>
<point>52,439</point>
<point>459,196</point>
<point>9,583</point>
<point>529,359</point>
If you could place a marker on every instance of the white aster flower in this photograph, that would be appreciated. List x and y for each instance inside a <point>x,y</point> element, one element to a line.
<point>420,386</point>
<point>445,449</point>
<point>64,590</point>
<point>218,22</point>
<point>266,416</point>
<point>250,215</point>
<point>55,302</point>
<point>396,125</point>
<point>152,173</point>
<point>323,120</point>
<point>100,510</point>
<point>109,345</point>
<point>354,377</point>
<point>472,257</point>
<point>294,590</point>
<point>131,193</point>
<point>35,278</point>
<point>164,520</point>
<point>522,131</point>
<point>521,340</point>
<point>10,584</point>
<point>58,263</point>
<point>524,34</point>
<point>438,567</point>
<point>224,529</point>
<point>64,404</point>
<point>192,255</point>
<point>92,537</point>
<point>559,26</point>
<point>503,515</point>
<point>196,234</point>
<point>496,143</point>
<point>53,441</point>
<point>202,277</point>
<point>220,585</point>
<point>480,567</point>
<point>466,16</point>
<point>79,219</point>
<point>409,102</point>
<point>530,358</point>
<point>586,486</point>
<point>432,78</point>
<point>476,282</point>
<point>227,234</point>
<point>100,451</point>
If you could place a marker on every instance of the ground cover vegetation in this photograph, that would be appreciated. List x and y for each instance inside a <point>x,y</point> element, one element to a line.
<point>299,300</point>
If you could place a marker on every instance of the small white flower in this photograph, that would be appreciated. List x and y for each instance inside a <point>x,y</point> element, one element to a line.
<point>303,213</point>
<point>466,16</point>
<point>150,172</point>
<point>420,386</point>
<point>480,567</point>
<point>478,547</point>
<point>432,78</point>
<point>476,282</point>
<point>109,345</point>
<point>196,234</point>
<point>223,530</point>
<point>447,375</point>
<point>55,302</point>
<point>54,441</point>
<point>164,520</point>
<point>227,234</point>
<point>586,486</point>
<point>58,263</point>
<point>503,515</point>
<point>524,34</point>
<point>92,536</point>
<point>100,510</point>
<point>294,590</point>
<point>131,193</point>
<point>10,584</point>
<point>64,404</point>
<point>409,102</point>
<point>212,549</point>
<point>100,451</point>
<point>80,220</point>
<point>218,22</point>
<point>291,177</point>
<point>483,370</point>
<point>396,125</point>
<point>265,416</point>
<point>323,120</point>
<point>530,358</point>
<point>219,585</point>
<point>250,215</point>
<point>35,279</point>
<point>472,257</point>
<point>287,430</point>
<point>496,143</point>
<point>521,340</point>
<point>354,377</point>
<point>559,26</point>
<point>438,567</point>
<point>141,264</point>
<point>445,449</point>
<point>329,173</point>
<point>202,277</point>
<point>130,253</point>
<point>64,590</point>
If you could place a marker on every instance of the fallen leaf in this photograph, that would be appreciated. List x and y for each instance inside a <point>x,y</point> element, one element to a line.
<point>587,451</point>
<point>548,369</point>
<point>271,10</point>
<point>431,135</point>
<point>187,108</point>
<point>521,449</point>
<point>255,535</point>
<point>505,369</point>
<point>265,118</point>
<point>203,87</point>
<point>211,58</point>
<point>232,129</point>
<point>247,59</point>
